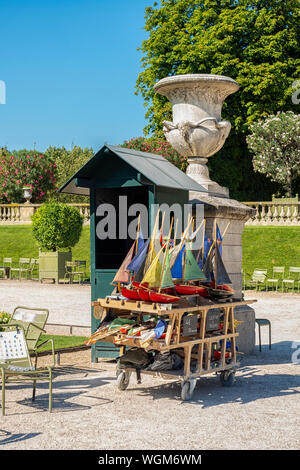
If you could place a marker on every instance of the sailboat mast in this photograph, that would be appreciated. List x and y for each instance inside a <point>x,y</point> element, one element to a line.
<point>151,245</point>
<point>203,241</point>
<point>187,241</point>
<point>166,254</point>
<point>137,234</point>
<point>216,248</point>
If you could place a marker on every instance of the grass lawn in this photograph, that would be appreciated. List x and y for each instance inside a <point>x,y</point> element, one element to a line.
<point>263,247</point>
<point>17,242</point>
<point>62,342</point>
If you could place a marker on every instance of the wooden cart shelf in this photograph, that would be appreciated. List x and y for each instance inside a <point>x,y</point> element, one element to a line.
<point>197,346</point>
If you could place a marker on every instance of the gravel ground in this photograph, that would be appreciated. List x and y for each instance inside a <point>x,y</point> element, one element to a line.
<point>261,411</point>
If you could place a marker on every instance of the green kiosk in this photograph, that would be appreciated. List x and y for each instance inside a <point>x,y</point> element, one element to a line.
<point>121,178</point>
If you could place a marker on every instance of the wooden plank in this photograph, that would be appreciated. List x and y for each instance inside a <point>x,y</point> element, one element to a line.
<point>232,329</point>
<point>161,346</point>
<point>225,331</point>
<point>187,360</point>
<point>162,309</point>
<point>170,330</point>
<point>201,345</point>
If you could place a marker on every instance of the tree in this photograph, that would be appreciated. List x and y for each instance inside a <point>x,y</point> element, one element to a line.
<point>158,146</point>
<point>253,41</point>
<point>56,225</point>
<point>26,168</point>
<point>275,142</point>
<point>67,163</point>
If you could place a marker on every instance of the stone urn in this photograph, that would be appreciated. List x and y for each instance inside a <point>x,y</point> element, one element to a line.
<point>27,191</point>
<point>197,130</point>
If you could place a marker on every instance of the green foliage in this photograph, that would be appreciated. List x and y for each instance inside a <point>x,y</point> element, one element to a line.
<point>275,142</point>
<point>22,168</point>
<point>4,318</point>
<point>67,163</point>
<point>253,41</point>
<point>56,225</point>
<point>158,146</point>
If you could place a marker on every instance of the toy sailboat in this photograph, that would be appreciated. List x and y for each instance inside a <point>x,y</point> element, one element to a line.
<point>185,269</point>
<point>158,278</point>
<point>215,270</point>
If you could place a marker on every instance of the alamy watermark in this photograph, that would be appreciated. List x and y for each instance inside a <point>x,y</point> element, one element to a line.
<point>125,221</point>
<point>296,354</point>
<point>2,92</point>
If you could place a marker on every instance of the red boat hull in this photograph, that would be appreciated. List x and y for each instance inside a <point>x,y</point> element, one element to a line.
<point>222,287</point>
<point>185,289</point>
<point>163,298</point>
<point>144,295</point>
<point>131,294</point>
<point>135,284</point>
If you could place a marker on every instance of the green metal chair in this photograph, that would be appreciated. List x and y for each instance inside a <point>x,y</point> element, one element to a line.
<point>34,264</point>
<point>24,268</point>
<point>293,278</point>
<point>6,267</point>
<point>81,266</point>
<point>15,362</point>
<point>258,278</point>
<point>72,272</point>
<point>33,321</point>
<point>263,322</point>
<point>274,281</point>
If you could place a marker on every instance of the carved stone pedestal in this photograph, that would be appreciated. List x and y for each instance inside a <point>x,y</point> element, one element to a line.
<point>224,210</point>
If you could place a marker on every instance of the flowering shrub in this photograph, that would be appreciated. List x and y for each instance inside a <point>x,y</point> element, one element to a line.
<point>275,143</point>
<point>4,318</point>
<point>157,146</point>
<point>25,169</point>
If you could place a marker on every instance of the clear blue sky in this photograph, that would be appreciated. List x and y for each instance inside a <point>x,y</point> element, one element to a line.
<point>70,69</point>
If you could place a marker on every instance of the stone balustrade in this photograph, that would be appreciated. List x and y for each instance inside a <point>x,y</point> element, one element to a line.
<point>275,213</point>
<point>20,214</point>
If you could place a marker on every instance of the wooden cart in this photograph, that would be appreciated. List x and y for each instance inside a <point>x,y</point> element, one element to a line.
<point>199,347</point>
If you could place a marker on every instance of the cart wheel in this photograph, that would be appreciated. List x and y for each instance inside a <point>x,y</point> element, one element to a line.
<point>227,378</point>
<point>123,380</point>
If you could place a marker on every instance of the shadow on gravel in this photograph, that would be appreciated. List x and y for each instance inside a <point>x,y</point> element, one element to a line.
<point>251,384</point>
<point>283,352</point>
<point>7,437</point>
<point>69,393</point>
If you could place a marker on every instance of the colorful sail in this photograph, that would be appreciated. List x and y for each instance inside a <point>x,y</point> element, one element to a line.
<point>204,251</point>
<point>220,270</point>
<point>166,278</point>
<point>219,240</point>
<point>140,241</point>
<point>123,273</point>
<point>139,258</point>
<point>153,274</point>
<point>191,269</point>
<point>176,270</point>
<point>208,269</point>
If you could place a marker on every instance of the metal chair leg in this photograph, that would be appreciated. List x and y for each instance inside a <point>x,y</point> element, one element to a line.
<point>259,335</point>
<point>3,391</point>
